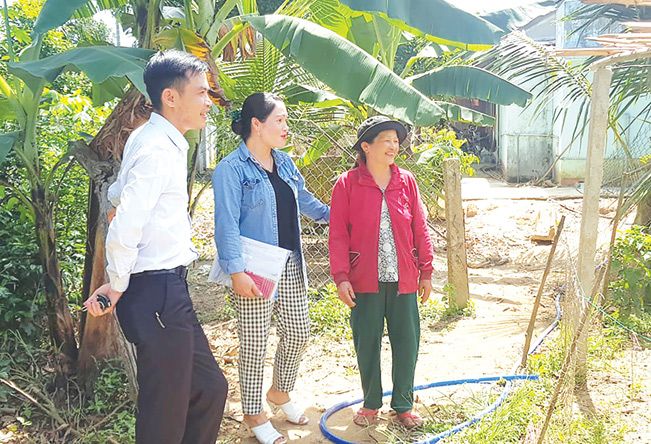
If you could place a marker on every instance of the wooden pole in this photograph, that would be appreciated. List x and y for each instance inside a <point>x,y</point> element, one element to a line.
<point>536,304</point>
<point>590,211</point>
<point>457,260</point>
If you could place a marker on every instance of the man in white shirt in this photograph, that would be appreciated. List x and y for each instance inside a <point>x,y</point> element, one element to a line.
<point>182,391</point>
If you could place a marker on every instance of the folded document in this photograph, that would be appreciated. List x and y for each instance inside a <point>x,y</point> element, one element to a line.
<point>264,263</point>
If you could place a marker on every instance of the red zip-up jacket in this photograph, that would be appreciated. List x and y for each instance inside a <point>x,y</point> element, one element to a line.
<point>355,227</point>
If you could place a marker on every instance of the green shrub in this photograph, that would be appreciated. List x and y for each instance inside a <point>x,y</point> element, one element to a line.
<point>435,146</point>
<point>328,315</point>
<point>111,391</point>
<point>631,264</point>
<point>21,293</point>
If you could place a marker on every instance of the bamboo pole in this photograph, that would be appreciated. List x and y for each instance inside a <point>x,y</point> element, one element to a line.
<point>536,304</point>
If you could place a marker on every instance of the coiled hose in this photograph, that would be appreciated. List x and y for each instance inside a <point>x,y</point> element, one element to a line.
<point>484,380</point>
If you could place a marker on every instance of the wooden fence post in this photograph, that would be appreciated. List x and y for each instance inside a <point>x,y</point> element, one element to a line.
<point>457,260</point>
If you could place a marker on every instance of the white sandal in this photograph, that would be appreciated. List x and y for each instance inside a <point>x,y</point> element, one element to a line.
<point>292,412</point>
<point>266,434</point>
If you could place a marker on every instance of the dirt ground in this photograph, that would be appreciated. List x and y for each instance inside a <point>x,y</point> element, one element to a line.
<point>505,272</point>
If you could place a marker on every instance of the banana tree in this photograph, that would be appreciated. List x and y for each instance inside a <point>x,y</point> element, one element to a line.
<point>362,77</point>
<point>22,93</point>
<point>362,45</point>
<point>111,70</point>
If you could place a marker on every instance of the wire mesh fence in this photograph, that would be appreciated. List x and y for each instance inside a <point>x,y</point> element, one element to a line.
<point>585,280</point>
<point>322,151</point>
<point>630,159</point>
<point>321,173</point>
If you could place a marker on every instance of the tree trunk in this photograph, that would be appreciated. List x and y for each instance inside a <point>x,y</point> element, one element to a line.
<point>643,215</point>
<point>102,338</point>
<point>62,330</point>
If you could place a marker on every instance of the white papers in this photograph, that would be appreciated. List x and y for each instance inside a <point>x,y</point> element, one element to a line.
<point>264,263</point>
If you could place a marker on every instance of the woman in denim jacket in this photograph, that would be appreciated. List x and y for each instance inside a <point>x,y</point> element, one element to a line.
<point>260,194</point>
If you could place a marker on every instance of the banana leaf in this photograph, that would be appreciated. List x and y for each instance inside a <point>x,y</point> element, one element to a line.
<point>515,18</point>
<point>93,7</point>
<point>439,20</point>
<point>460,113</point>
<point>7,111</point>
<point>108,90</point>
<point>55,13</point>
<point>344,67</point>
<point>318,148</point>
<point>7,142</point>
<point>304,94</point>
<point>99,63</point>
<point>469,82</point>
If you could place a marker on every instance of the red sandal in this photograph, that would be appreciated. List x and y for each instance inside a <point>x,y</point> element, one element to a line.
<point>365,417</point>
<point>410,419</point>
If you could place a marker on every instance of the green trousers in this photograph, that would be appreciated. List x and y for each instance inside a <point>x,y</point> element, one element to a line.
<point>403,324</point>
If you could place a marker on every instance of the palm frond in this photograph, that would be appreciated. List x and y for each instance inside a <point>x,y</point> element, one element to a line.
<point>94,6</point>
<point>601,19</point>
<point>271,71</point>
<point>550,78</point>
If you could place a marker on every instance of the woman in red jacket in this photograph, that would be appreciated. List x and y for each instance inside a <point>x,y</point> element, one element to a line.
<point>381,260</point>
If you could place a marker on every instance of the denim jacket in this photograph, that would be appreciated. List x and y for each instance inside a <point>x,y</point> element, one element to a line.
<point>245,203</point>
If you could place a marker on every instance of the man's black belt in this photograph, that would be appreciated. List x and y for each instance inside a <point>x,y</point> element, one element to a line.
<point>181,270</point>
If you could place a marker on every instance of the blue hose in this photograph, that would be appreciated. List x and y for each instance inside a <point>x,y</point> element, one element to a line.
<point>543,336</point>
<point>491,408</point>
<point>508,378</point>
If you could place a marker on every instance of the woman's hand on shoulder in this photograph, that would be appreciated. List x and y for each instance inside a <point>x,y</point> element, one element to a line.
<point>424,289</point>
<point>346,293</point>
<point>244,286</point>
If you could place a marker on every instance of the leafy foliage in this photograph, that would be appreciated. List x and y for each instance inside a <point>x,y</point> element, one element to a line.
<point>449,25</point>
<point>111,391</point>
<point>436,145</point>
<point>631,288</point>
<point>357,76</point>
<point>108,415</point>
<point>21,296</point>
<point>328,315</point>
<point>469,82</point>
<point>63,118</point>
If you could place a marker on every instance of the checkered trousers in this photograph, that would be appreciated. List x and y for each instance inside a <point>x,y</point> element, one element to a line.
<point>253,324</point>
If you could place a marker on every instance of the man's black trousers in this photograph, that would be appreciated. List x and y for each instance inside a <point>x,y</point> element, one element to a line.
<point>182,391</point>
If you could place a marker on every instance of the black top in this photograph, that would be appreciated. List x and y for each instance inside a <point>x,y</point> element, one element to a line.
<point>288,235</point>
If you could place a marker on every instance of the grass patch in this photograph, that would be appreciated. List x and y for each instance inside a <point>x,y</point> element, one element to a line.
<point>331,317</point>
<point>328,315</point>
<point>509,422</point>
<point>111,392</point>
<point>524,410</point>
<point>640,324</point>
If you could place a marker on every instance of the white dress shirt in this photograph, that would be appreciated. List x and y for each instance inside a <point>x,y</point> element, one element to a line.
<point>151,229</point>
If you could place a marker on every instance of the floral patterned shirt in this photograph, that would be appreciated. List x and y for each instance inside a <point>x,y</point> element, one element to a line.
<point>387,255</point>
